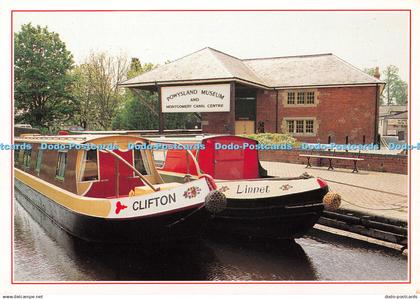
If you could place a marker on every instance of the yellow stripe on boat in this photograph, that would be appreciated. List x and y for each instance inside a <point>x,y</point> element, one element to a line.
<point>88,206</point>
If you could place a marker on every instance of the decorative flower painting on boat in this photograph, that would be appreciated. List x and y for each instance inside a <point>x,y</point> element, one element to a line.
<point>286,187</point>
<point>192,192</point>
<point>224,189</point>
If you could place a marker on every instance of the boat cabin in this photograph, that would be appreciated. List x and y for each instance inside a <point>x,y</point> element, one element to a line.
<point>100,166</point>
<point>225,157</point>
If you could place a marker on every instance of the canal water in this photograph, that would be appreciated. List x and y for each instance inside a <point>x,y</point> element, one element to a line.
<point>50,254</point>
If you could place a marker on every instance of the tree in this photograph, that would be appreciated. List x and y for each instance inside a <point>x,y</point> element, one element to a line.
<point>140,108</point>
<point>97,91</point>
<point>83,92</point>
<point>395,89</point>
<point>41,76</point>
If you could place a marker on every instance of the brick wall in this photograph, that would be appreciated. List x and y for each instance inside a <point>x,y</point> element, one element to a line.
<point>372,162</point>
<point>218,122</point>
<point>266,109</point>
<point>340,112</point>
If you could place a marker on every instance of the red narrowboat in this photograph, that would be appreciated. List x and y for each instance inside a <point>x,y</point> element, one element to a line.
<point>257,204</point>
<point>101,188</point>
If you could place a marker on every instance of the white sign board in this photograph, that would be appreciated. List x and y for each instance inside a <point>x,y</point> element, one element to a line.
<point>196,98</point>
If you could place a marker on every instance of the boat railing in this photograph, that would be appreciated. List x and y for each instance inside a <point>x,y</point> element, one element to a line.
<point>58,138</point>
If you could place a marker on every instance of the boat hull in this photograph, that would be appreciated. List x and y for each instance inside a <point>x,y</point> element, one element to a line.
<point>286,209</point>
<point>179,224</point>
<point>283,217</point>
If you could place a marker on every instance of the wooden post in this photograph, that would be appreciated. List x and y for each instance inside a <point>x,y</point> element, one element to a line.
<point>161,116</point>
<point>277,111</point>
<point>232,109</point>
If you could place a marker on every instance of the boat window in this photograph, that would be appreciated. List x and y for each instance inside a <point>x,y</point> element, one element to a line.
<point>61,166</point>
<point>159,156</point>
<point>38,161</point>
<point>27,158</point>
<point>139,163</point>
<point>90,170</point>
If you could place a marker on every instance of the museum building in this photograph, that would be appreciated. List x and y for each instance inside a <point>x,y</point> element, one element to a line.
<point>315,98</point>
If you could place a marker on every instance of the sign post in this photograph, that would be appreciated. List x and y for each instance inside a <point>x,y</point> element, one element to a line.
<point>161,118</point>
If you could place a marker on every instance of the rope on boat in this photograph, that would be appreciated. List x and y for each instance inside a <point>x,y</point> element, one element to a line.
<point>186,217</point>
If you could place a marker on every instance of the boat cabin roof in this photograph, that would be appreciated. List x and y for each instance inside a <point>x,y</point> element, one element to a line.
<point>193,139</point>
<point>78,139</point>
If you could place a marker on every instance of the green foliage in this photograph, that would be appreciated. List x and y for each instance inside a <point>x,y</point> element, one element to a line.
<point>396,89</point>
<point>135,115</point>
<point>97,92</point>
<point>42,80</point>
<point>136,68</point>
<point>273,138</point>
<point>395,92</point>
<point>140,108</point>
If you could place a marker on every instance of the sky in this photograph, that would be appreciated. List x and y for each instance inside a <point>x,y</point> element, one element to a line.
<point>364,39</point>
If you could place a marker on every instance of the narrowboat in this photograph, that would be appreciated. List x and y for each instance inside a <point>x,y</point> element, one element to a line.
<point>257,204</point>
<point>106,188</point>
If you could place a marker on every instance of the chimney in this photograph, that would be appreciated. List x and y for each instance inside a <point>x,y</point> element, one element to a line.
<point>377,75</point>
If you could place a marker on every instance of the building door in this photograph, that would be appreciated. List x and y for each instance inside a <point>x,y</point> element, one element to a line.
<point>244,127</point>
<point>245,110</point>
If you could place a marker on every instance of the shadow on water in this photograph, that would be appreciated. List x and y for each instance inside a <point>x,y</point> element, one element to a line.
<point>259,259</point>
<point>75,259</point>
<point>59,256</point>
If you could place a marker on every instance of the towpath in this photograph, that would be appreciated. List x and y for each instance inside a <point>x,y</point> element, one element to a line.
<point>372,193</point>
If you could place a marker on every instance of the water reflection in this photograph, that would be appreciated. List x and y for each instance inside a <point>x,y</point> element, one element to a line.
<point>50,254</point>
<point>59,256</point>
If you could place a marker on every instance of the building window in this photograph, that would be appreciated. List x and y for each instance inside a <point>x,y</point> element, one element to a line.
<point>90,170</point>
<point>299,126</point>
<point>309,126</point>
<point>139,163</point>
<point>291,98</point>
<point>291,126</point>
<point>27,158</point>
<point>301,98</point>
<point>38,161</point>
<point>61,166</point>
<point>310,97</point>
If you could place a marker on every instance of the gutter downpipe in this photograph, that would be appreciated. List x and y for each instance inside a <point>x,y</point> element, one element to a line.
<point>277,110</point>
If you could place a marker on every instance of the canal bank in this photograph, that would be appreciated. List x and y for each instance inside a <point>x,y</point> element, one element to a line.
<point>374,204</point>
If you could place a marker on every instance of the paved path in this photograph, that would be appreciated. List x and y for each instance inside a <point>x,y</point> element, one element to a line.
<point>375,193</point>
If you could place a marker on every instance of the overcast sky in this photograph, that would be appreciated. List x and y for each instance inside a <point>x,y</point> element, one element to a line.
<point>365,39</point>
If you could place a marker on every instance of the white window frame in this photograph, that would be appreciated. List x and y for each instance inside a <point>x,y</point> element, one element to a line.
<point>305,120</point>
<point>296,98</point>
<point>145,162</point>
<point>82,171</point>
<point>57,176</point>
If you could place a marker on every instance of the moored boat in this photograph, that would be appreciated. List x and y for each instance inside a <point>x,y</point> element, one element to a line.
<point>257,204</point>
<point>101,189</point>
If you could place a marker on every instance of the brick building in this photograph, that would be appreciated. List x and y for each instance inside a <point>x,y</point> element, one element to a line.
<point>316,98</point>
